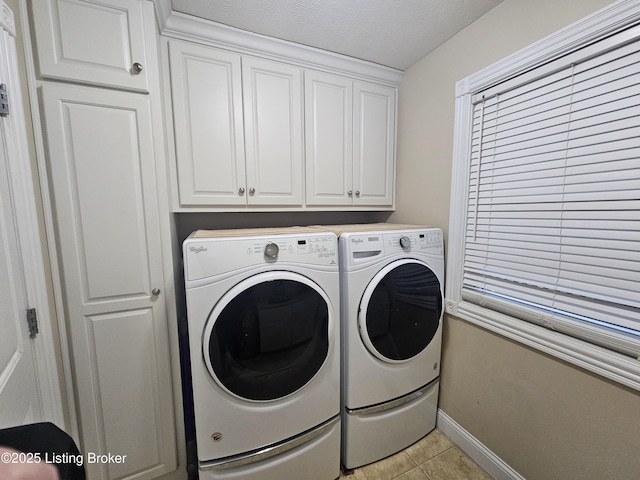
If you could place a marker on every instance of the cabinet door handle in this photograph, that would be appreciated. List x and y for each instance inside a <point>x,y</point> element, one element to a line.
<point>350,193</point>
<point>252,191</point>
<point>136,68</point>
<point>357,193</point>
<point>241,191</point>
<point>155,292</point>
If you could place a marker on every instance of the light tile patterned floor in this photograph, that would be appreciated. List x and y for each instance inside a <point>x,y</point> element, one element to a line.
<point>434,457</point>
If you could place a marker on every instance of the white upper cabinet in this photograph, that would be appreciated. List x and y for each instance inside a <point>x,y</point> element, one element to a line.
<point>350,141</point>
<point>238,128</point>
<point>329,139</point>
<point>272,95</point>
<point>374,133</point>
<point>100,43</point>
<point>206,90</point>
<point>254,131</point>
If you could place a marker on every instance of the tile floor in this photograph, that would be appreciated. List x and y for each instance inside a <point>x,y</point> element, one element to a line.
<point>434,457</point>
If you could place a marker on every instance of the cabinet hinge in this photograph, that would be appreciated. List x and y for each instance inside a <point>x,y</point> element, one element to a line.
<point>32,321</point>
<point>4,101</point>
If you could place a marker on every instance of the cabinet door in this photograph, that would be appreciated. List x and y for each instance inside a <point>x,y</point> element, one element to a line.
<point>206,88</point>
<point>102,174</point>
<point>272,95</point>
<point>328,139</point>
<point>97,42</point>
<point>374,144</point>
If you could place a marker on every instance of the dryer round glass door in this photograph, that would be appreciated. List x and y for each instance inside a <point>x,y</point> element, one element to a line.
<point>400,310</point>
<point>268,336</point>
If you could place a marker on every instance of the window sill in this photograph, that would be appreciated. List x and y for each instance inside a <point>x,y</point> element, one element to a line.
<point>614,366</point>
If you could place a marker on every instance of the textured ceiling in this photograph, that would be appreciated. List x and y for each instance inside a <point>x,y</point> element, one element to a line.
<point>395,33</point>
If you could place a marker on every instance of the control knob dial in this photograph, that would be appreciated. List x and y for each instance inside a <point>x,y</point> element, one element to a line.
<point>271,250</point>
<point>405,242</point>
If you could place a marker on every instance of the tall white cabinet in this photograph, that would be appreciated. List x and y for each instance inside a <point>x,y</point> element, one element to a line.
<point>103,179</point>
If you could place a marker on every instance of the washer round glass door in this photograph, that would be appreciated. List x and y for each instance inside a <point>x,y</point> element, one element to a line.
<point>268,336</point>
<point>400,310</point>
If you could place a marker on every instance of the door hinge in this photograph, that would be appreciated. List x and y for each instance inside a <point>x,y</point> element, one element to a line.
<point>32,321</point>
<point>4,101</point>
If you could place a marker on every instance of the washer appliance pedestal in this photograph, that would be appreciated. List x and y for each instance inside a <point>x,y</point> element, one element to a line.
<point>392,283</point>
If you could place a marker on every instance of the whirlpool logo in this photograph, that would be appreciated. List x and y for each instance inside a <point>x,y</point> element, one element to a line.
<point>198,249</point>
<point>357,241</point>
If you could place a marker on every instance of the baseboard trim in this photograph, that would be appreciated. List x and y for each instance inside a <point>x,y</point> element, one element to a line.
<point>489,461</point>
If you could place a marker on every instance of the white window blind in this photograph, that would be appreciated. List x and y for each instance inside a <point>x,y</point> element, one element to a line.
<point>553,211</point>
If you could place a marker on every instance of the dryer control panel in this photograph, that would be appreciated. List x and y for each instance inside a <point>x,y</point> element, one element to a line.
<point>215,256</point>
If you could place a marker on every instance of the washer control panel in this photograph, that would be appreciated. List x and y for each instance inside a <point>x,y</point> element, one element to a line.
<point>419,240</point>
<point>365,247</point>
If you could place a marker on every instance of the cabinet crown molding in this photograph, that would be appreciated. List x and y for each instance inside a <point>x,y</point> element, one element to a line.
<point>186,27</point>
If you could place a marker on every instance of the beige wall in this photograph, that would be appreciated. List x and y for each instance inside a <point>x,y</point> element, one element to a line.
<point>545,418</point>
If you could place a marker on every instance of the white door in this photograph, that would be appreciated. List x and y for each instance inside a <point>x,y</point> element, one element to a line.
<point>19,399</point>
<point>29,389</point>
<point>98,42</point>
<point>272,94</point>
<point>374,144</point>
<point>328,139</point>
<point>102,171</point>
<point>206,90</point>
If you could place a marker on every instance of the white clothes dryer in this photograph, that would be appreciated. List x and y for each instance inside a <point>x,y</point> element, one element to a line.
<point>263,318</point>
<point>392,298</point>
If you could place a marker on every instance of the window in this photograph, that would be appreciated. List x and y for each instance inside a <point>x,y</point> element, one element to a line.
<point>545,225</point>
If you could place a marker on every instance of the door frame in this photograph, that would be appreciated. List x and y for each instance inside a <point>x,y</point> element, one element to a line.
<point>22,178</point>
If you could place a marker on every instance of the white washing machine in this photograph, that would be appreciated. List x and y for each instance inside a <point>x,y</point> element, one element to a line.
<point>263,317</point>
<point>392,298</point>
